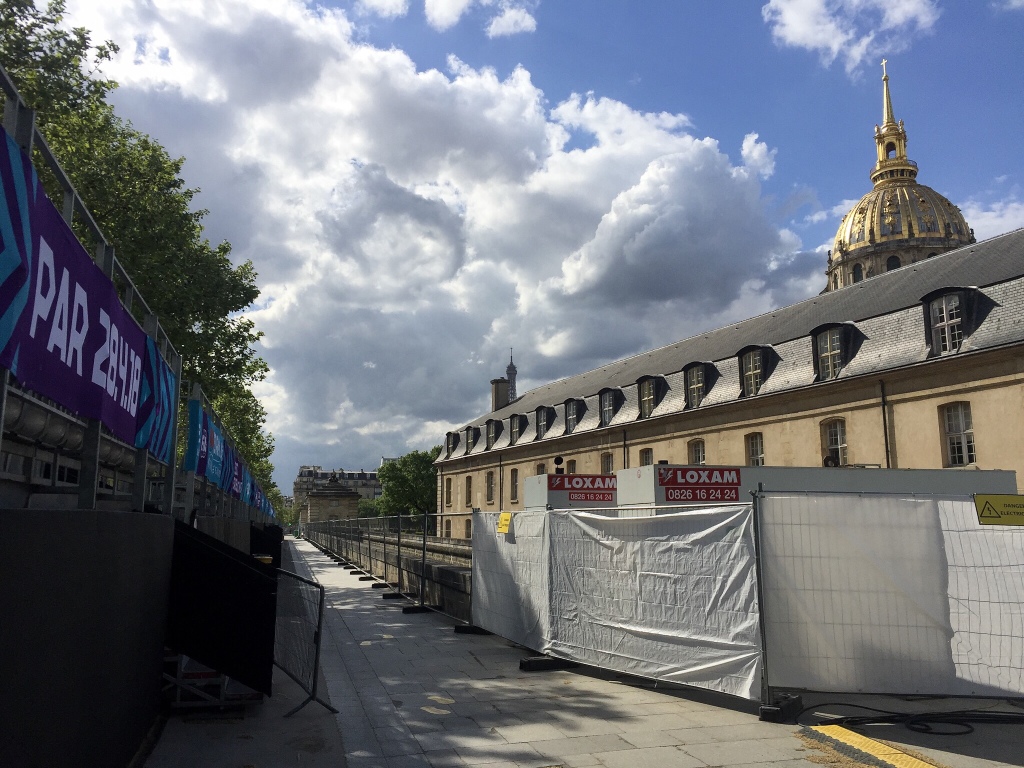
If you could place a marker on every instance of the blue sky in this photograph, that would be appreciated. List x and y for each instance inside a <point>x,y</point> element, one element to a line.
<point>422,184</point>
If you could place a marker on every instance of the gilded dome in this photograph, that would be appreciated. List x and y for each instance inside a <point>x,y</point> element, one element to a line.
<point>899,221</point>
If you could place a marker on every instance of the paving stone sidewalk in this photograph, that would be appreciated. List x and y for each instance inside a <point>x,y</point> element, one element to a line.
<point>411,692</point>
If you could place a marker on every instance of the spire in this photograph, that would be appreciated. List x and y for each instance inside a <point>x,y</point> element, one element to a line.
<point>510,374</point>
<point>891,143</point>
<point>887,117</point>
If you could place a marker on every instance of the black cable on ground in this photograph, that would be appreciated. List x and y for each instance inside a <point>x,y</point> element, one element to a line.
<point>957,723</point>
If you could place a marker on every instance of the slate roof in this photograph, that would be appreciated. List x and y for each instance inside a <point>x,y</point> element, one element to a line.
<point>881,306</point>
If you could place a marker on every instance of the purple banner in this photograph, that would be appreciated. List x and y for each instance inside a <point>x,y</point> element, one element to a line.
<point>63,331</point>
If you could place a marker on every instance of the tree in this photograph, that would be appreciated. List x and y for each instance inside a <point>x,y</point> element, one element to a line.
<point>409,484</point>
<point>368,508</point>
<point>133,188</point>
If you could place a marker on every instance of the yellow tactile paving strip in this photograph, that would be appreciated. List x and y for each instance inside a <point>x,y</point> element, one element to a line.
<point>875,749</point>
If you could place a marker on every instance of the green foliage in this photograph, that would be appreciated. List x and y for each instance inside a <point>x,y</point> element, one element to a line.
<point>409,484</point>
<point>368,508</point>
<point>134,190</point>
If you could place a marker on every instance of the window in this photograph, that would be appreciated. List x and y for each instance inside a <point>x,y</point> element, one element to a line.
<point>489,487</point>
<point>515,427</point>
<point>834,435</point>
<point>447,491</point>
<point>694,386</point>
<point>755,449</point>
<point>471,435</point>
<point>573,412</point>
<point>469,490</point>
<point>858,273</point>
<point>946,323</point>
<point>469,529</point>
<point>607,463</point>
<point>451,443</point>
<point>695,452</point>
<point>493,431</point>
<point>448,529</point>
<point>609,403</point>
<point>646,457</point>
<point>648,390</point>
<point>893,262</point>
<point>542,421</point>
<point>829,353</point>
<point>513,485</point>
<point>751,372</point>
<point>570,466</point>
<point>959,431</point>
<point>541,469</point>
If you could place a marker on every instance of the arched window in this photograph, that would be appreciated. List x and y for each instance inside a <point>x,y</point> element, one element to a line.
<point>833,437</point>
<point>513,485</point>
<point>515,428</point>
<point>448,528</point>
<point>493,431</point>
<point>752,371</point>
<point>570,467</point>
<point>946,314</point>
<point>646,457</point>
<point>696,453</point>
<point>858,273</point>
<point>469,490</point>
<point>829,351</point>
<point>469,529</point>
<point>893,262</point>
<point>649,392</point>
<point>959,433</point>
<point>542,421</point>
<point>573,413</point>
<point>489,487</point>
<point>755,449</point>
<point>541,469</point>
<point>607,463</point>
<point>447,491</point>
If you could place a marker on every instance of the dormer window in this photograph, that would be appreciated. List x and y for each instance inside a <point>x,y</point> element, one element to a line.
<point>609,401</point>
<point>695,385</point>
<point>946,313</point>
<point>543,421</point>
<point>649,392</point>
<point>573,414</point>
<point>493,432</point>
<point>753,370</point>
<point>515,428</point>
<point>451,443</point>
<point>828,352</point>
<point>472,433</point>
<point>950,317</point>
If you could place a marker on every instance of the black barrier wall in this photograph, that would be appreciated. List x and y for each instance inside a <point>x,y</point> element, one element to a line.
<point>222,608</point>
<point>82,613</point>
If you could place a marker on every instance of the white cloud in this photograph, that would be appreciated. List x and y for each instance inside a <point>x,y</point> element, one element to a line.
<point>445,14</point>
<point>1009,5</point>
<point>388,9</point>
<point>855,31</point>
<point>991,219</point>
<point>410,226</point>
<point>511,21</point>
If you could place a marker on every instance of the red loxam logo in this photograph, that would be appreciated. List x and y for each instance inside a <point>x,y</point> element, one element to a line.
<point>683,477</point>
<point>581,482</point>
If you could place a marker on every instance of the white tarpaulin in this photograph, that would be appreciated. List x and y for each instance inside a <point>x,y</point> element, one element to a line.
<point>891,594</point>
<point>671,597</point>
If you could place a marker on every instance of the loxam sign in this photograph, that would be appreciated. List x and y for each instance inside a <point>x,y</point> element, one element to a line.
<point>581,482</point>
<point>688,484</point>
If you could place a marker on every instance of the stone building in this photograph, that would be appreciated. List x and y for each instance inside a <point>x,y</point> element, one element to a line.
<point>312,477</point>
<point>332,501</point>
<point>915,364</point>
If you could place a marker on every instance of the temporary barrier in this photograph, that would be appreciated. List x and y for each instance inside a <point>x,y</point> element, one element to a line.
<point>300,616</point>
<point>890,594</point>
<point>671,597</point>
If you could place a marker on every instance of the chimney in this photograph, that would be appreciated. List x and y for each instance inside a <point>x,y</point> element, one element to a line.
<point>499,393</point>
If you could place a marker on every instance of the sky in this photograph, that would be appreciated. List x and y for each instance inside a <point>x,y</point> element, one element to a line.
<point>423,185</point>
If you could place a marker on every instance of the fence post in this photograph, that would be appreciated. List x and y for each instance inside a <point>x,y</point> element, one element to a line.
<point>766,692</point>
<point>398,560</point>
<point>423,562</point>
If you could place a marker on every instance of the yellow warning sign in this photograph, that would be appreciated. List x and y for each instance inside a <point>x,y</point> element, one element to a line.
<point>504,520</point>
<point>999,509</point>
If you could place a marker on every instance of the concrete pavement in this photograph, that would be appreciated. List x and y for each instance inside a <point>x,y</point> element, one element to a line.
<point>411,692</point>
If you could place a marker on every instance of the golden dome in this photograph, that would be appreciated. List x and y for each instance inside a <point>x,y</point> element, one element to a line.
<point>899,221</point>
